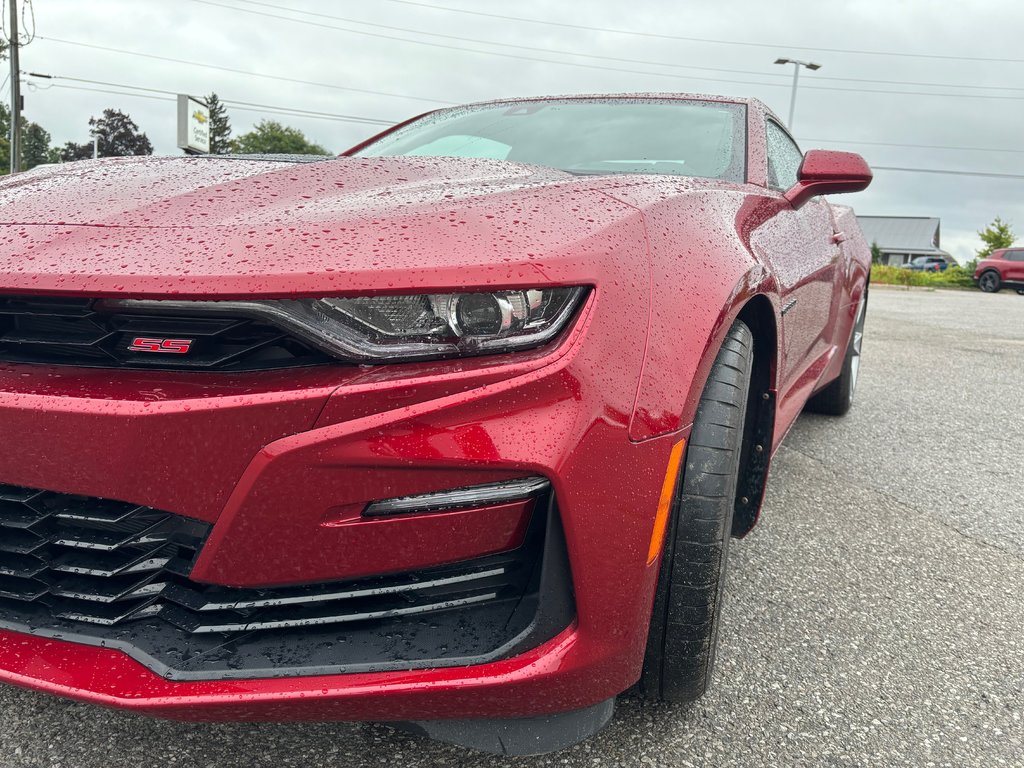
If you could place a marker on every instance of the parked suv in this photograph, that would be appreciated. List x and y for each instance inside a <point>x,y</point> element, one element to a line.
<point>1004,268</point>
<point>927,264</point>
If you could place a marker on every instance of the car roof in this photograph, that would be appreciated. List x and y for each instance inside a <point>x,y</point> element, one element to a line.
<point>663,96</point>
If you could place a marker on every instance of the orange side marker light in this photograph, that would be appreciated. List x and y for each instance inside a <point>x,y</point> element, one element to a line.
<point>665,502</point>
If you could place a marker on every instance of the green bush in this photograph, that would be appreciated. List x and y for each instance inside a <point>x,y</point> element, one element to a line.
<point>882,273</point>
<point>953,277</point>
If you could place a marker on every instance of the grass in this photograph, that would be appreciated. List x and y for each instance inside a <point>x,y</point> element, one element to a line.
<point>953,277</point>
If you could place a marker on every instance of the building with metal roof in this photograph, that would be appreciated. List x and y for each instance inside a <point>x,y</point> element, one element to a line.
<point>901,238</point>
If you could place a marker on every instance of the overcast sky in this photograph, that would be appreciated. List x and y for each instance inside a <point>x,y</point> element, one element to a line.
<point>387,59</point>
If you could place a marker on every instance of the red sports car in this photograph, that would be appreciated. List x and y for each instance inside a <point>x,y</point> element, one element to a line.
<point>451,431</point>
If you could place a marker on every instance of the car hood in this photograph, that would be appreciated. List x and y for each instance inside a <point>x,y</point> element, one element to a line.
<point>232,192</point>
<point>218,227</point>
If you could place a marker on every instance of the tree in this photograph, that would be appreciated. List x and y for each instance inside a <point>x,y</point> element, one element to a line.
<point>35,143</point>
<point>996,235</point>
<point>5,139</point>
<point>118,134</point>
<point>220,126</point>
<point>35,146</point>
<point>270,137</point>
<point>876,253</point>
<point>72,151</point>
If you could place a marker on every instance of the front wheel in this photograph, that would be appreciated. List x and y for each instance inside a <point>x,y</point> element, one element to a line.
<point>989,281</point>
<point>837,398</point>
<point>1020,291</point>
<point>684,622</point>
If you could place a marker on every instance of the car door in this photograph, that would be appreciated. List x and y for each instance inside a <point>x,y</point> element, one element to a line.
<point>1014,265</point>
<point>801,245</point>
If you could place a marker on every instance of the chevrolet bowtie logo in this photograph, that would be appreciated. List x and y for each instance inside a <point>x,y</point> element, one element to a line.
<point>199,117</point>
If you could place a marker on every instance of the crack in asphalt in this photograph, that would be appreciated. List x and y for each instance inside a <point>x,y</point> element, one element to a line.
<point>920,512</point>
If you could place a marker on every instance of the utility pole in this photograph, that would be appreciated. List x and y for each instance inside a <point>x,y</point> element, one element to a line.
<point>15,91</point>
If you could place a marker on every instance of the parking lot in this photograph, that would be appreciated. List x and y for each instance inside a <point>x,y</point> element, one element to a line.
<point>874,617</point>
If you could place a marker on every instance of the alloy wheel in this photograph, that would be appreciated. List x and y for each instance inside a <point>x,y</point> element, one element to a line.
<point>856,343</point>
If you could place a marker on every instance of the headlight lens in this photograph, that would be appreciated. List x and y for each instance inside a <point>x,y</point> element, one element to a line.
<point>402,327</point>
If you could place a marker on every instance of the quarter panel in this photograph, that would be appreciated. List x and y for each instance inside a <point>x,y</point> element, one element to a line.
<point>851,282</point>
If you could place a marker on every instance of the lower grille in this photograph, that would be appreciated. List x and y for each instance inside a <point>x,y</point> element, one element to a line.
<point>69,331</point>
<point>116,574</point>
<point>90,560</point>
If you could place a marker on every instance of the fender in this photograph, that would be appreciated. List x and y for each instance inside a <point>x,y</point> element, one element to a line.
<point>701,281</point>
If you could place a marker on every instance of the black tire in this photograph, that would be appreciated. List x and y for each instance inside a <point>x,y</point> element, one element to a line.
<point>1020,291</point>
<point>989,281</point>
<point>684,622</point>
<point>837,398</point>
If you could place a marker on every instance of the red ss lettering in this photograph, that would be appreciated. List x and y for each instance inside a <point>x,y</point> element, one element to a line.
<point>170,346</point>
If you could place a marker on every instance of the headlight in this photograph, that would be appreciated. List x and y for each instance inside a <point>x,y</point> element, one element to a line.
<point>402,327</point>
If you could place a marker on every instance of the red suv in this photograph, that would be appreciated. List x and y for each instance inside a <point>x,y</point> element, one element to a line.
<point>1004,267</point>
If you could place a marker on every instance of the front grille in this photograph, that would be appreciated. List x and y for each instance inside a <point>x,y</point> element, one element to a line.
<point>68,331</point>
<point>117,574</point>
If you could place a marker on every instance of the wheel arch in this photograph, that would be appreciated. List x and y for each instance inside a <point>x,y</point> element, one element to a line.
<point>759,313</point>
<point>758,432</point>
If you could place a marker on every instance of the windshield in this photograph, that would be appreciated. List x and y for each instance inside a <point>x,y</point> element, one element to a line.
<point>684,138</point>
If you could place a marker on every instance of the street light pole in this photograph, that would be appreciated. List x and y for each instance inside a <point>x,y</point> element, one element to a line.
<point>792,94</point>
<point>15,92</point>
<point>796,79</point>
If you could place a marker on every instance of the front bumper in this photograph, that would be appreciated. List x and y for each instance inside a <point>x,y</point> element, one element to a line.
<point>277,463</point>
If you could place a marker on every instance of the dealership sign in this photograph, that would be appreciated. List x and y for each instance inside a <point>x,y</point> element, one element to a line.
<point>193,125</point>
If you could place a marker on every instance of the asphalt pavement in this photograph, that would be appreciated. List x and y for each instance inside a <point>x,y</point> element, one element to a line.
<point>874,617</point>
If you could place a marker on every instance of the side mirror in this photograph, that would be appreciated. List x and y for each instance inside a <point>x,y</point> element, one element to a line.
<point>824,172</point>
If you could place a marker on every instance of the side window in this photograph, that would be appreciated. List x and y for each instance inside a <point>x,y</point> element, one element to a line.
<point>1014,256</point>
<point>784,158</point>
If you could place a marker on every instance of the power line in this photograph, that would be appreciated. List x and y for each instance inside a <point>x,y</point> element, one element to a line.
<point>95,82</point>
<point>308,113</point>
<point>984,174</point>
<point>525,57</point>
<point>702,39</point>
<point>915,146</point>
<point>610,58</point>
<point>110,91</point>
<point>259,108</point>
<point>518,56</point>
<point>240,71</point>
<point>28,22</point>
<point>244,106</point>
<point>918,83</point>
<point>488,42</point>
<point>298,111</point>
<point>912,93</point>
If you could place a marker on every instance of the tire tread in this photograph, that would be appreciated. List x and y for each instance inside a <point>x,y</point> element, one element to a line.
<point>684,623</point>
